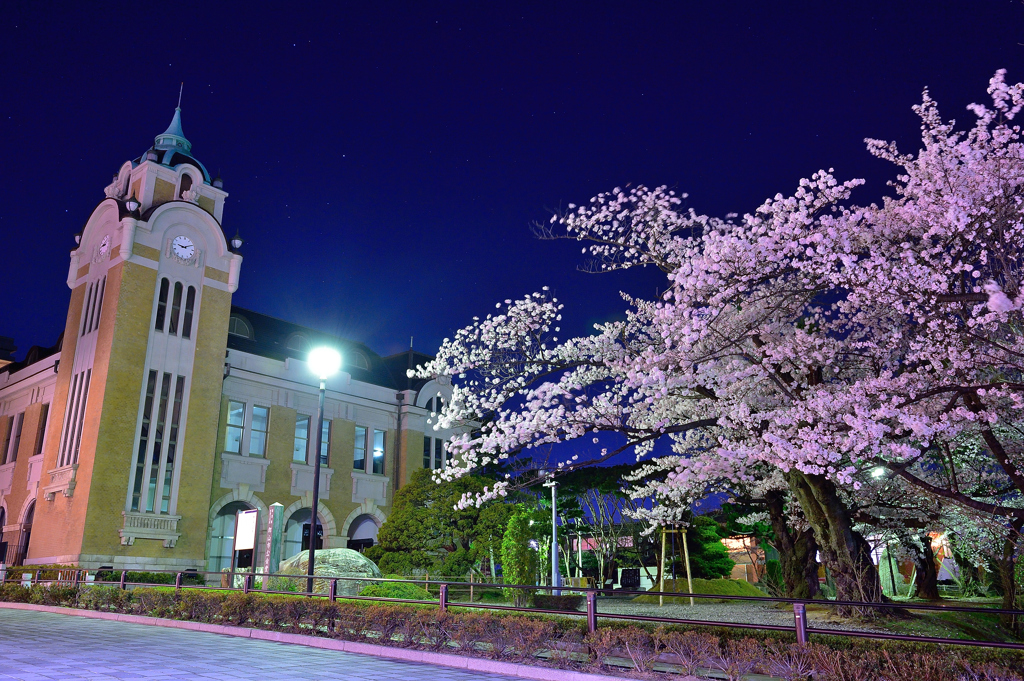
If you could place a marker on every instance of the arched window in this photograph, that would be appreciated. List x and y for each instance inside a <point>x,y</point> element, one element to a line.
<point>172,326</point>
<point>239,327</point>
<point>190,303</point>
<point>362,533</point>
<point>186,184</point>
<point>297,533</point>
<point>161,304</point>
<point>356,359</point>
<point>298,342</point>
<point>222,535</point>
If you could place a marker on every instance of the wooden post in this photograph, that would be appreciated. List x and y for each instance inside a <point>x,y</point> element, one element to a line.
<point>470,585</point>
<point>426,583</point>
<point>661,586</point>
<point>686,554</point>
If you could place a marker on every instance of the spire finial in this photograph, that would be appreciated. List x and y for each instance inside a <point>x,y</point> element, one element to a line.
<point>180,90</point>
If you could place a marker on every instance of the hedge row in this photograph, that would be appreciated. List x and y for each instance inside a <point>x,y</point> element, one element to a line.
<point>559,642</point>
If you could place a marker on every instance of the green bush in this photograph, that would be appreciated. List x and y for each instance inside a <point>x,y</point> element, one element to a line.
<point>397,590</point>
<point>564,602</point>
<point>711,587</point>
<point>190,578</point>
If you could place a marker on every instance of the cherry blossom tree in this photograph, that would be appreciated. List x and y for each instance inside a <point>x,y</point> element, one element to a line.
<point>810,339</point>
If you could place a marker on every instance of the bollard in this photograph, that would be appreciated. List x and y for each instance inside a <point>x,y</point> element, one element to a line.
<point>591,612</point>
<point>177,582</point>
<point>443,599</point>
<point>124,580</point>
<point>334,590</point>
<point>800,620</point>
<point>245,582</point>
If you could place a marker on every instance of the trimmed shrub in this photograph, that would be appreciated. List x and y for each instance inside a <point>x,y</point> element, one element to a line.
<point>567,602</point>
<point>397,590</point>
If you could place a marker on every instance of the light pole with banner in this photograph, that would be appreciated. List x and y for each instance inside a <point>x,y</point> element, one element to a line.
<point>323,362</point>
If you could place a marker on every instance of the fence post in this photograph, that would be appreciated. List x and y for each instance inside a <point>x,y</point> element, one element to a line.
<point>177,582</point>
<point>443,599</point>
<point>470,585</point>
<point>124,580</point>
<point>334,590</point>
<point>246,582</point>
<point>800,621</point>
<point>78,574</point>
<point>591,612</point>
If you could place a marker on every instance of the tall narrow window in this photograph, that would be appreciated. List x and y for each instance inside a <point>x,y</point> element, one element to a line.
<point>83,402</point>
<point>378,451</point>
<point>190,303</point>
<point>86,308</point>
<point>301,438</point>
<point>140,462</point>
<point>258,431</point>
<point>172,326</point>
<point>236,422</point>
<point>172,444</point>
<point>99,304</point>
<point>438,453</point>
<point>44,416</point>
<point>158,440</point>
<point>186,184</point>
<point>19,423</point>
<point>7,443</point>
<point>426,451</point>
<point>325,442</point>
<point>359,457</point>
<point>69,419</point>
<point>161,304</point>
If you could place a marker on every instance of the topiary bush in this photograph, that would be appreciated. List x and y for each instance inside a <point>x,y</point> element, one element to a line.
<point>397,590</point>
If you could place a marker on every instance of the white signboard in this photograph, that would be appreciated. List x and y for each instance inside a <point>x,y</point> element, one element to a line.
<point>245,530</point>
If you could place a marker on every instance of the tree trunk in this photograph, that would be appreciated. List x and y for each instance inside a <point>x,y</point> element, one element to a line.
<point>1007,566</point>
<point>927,579</point>
<point>797,551</point>
<point>844,551</point>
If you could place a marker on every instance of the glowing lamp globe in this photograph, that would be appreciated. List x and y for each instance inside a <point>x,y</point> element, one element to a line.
<point>324,362</point>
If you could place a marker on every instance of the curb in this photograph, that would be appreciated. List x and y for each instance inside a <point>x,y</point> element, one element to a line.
<point>473,664</point>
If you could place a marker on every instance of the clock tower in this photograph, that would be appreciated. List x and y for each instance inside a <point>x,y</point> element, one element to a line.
<point>126,468</point>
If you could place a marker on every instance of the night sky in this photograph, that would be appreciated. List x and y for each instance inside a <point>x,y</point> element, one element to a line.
<point>385,161</point>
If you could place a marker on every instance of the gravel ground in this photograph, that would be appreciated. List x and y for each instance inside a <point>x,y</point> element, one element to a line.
<point>741,612</point>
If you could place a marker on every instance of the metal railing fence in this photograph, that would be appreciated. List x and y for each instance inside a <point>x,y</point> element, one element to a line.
<point>800,628</point>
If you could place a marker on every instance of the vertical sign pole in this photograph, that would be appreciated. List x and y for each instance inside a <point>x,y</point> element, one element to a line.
<point>272,555</point>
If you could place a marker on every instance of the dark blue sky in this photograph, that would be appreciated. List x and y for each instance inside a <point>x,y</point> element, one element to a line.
<point>384,161</point>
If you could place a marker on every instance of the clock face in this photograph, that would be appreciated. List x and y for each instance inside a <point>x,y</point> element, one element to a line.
<point>105,244</point>
<point>183,247</point>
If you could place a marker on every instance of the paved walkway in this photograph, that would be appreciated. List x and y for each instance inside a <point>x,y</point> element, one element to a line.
<point>41,645</point>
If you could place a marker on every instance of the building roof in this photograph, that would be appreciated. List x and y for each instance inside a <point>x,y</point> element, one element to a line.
<point>277,339</point>
<point>35,354</point>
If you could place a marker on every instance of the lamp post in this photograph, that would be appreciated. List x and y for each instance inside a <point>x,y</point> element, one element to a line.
<point>556,578</point>
<point>323,362</point>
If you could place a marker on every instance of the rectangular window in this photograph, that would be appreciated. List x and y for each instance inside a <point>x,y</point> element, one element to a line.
<point>378,452</point>
<point>426,451</point>
<point>44,416</point>
<point>140,463</point>
<point>158,441</point>
<point>438,453</point>
<point>190,304</point>
<point>172,326</point>
<point>325,442</point>
<point>172,444</point>
<point>19,423</point>
<point>7,441</point>
<point>236,422</point>
<point>161,305</point>
<point>258,431</point>
<point>359,459</point>
<point>301,438</point>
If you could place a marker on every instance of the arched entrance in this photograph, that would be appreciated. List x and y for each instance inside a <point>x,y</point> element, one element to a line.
<point>3,544</point>
<point>297,533</point>
<point>17,541</point>
<point>222,535</point>
<point>362,533</point>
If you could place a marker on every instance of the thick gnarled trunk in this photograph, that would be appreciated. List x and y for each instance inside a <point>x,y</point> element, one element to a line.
<point>797,551</point>
<point>844,551</point>
<point>927,577</point>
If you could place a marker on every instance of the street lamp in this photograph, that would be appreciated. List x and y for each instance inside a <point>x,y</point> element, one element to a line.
<point>556,578</point>
<point>323,362</point>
